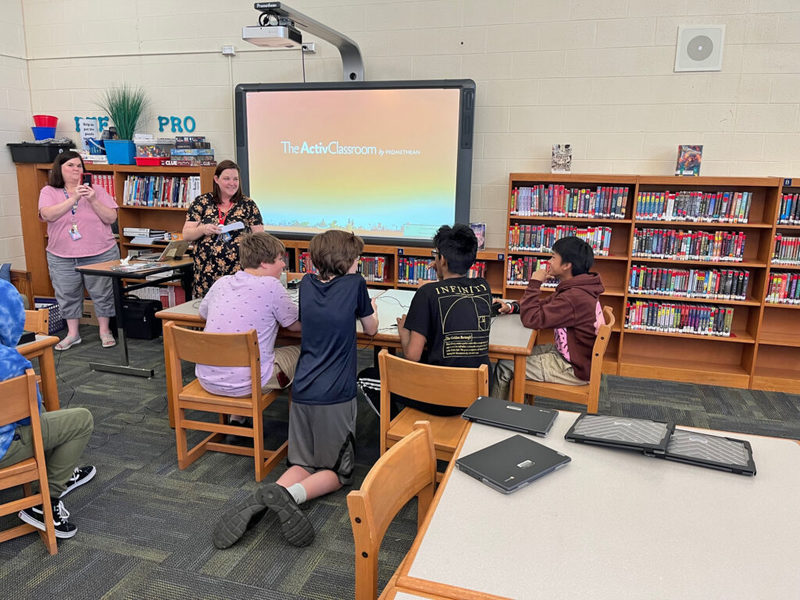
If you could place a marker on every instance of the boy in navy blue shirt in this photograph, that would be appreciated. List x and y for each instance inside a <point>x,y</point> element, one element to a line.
<point>322,417</point>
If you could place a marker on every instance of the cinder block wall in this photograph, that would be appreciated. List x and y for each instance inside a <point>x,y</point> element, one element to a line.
<point>593,73</point>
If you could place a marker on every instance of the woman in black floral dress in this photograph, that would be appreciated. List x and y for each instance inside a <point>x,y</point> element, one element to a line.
<point>217,254</point>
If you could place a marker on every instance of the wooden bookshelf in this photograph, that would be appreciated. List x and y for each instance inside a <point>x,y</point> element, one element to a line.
<point>763,350</point>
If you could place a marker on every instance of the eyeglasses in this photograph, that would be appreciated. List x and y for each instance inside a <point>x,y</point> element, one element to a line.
<point>434,253</point>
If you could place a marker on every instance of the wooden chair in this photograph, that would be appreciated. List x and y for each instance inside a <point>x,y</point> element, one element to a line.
<point>446,386</point>
<point>37,321</point>
<point>223,350</point>
<point>18,402</point>
<point>580,394</point>
<point>23,281</point>
<point>408,469</point>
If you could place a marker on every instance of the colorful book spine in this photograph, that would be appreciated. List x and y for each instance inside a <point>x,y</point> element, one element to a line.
<point>372,268</point>
<point>789,213</point>
<point>726,246</point>
<point>556,200</point>
<point>694,206</point>
<point>787,250</point>
<point>540,238</point>
<point>784,288</point>
<point>414,270</point>
<point>675,317</point>
<point>713,284</point>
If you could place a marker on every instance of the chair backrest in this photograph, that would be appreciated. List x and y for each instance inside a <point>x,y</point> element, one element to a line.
<point>447,386</point>
<point>23,281</point>
<point>599,350</point>
<point>19,398</point>
<point>216,349</point>
<point>37,321</point>
<point>406,470</point>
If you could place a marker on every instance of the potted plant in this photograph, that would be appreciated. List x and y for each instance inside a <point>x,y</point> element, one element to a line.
<point>125,105</point>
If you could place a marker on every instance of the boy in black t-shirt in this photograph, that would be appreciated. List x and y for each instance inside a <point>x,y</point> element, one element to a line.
<point>448,321</point>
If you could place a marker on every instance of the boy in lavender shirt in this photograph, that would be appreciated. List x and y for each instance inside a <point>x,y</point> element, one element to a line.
<point>252,298</point>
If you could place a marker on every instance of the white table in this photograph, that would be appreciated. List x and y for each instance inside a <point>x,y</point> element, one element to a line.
<point>615,524</point>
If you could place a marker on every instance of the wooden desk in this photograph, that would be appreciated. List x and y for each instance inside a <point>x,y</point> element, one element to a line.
<point>183,267</point>
<point>42,348</point>
<point>614,524</point>
<point>507,338</point>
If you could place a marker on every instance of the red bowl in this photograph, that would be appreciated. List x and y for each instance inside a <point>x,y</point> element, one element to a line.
<point>45,120</point>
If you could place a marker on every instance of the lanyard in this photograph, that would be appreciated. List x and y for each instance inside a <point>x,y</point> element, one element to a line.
<point>74,205</point>
<point>222,216</point>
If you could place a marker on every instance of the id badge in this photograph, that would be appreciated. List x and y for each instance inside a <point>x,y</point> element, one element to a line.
<point>74,233</point>
<point>226,237</point>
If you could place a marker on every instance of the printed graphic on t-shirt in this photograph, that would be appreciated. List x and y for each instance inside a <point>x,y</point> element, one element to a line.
<point>466,317</point>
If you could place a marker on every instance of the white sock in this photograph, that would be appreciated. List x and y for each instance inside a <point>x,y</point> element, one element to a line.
<point>298,492</point>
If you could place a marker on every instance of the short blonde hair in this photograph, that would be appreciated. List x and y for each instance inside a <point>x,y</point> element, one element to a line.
<point>257,248</point>
<point>334,251</point>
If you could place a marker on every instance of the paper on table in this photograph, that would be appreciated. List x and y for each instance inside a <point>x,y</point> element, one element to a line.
<point>231,227</point>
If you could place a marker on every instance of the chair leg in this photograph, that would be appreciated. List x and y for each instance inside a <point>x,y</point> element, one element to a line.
<point>258,445</point>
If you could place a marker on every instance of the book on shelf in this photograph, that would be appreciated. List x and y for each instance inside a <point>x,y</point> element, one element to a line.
<point>187,161</point>
<point>784,288</point>
<point>689,160</point>
<point>676,317</point>
<point>561,158</point>
<point>145,231</point>
<point>787,250</point>
<point>556,200</point>
<point>719,284</point>
<point>694,206</point>
<point>689,245</point>
<point>160,191</point>
<point>414,269</point>
<point>520,269</point>
<point>372,268</point>
<point>480,232</point>
<point>789,213</point>
<point>540,238</point>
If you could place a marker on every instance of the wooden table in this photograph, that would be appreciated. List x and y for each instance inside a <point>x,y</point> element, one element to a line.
<point>42,348</point>
<point>508,339</point>
<point>182,269</point>
<point>613,524</point>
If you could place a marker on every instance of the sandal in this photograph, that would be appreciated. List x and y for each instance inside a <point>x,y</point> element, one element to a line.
<point>67,343</point>
<point>107,339</point>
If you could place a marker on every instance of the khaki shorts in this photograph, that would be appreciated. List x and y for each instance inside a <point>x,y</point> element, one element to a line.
<point>285,360</point>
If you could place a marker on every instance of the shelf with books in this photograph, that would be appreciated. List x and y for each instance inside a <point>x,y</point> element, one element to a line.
<point>739,214</point>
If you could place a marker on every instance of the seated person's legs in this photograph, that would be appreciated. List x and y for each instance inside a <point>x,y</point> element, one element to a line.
<point>65,434</point>
<point>544,364</point>
<point>285,366</point>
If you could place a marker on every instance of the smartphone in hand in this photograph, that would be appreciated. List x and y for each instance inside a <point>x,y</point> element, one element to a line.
<point>86,179</point>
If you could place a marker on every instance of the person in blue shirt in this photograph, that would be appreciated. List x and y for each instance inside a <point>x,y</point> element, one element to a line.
<point>65,432</point>
<point>322,417</point>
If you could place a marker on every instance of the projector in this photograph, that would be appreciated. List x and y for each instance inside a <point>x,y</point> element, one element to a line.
<point>273,36</point>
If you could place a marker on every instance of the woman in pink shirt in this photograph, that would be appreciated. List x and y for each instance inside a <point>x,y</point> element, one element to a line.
<point>79,217</point>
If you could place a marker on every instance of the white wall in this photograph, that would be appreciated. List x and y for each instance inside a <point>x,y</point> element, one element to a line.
<point>593,73</point>
<point>15,118</point>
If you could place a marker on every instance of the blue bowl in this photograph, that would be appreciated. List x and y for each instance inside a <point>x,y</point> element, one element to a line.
<point>43,133</point>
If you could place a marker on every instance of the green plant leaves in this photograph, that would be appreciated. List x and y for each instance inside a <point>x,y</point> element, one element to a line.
<point>125,105</point>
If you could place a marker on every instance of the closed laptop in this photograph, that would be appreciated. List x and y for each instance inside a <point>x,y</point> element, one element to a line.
<point>510,415</point>
<point>512,463</point>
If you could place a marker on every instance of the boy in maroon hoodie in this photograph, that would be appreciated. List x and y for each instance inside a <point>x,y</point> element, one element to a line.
<point>572,311</point>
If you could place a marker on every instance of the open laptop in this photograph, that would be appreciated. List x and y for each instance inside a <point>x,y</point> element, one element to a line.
<point>650,437</point>
<point>174,250</point>
<point>511,463</point>
<point>713,451</point>
<point>510,415</point>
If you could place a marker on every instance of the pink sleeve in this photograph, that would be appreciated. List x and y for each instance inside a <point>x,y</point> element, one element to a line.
<point>50,196</point>
<point>285,309</point>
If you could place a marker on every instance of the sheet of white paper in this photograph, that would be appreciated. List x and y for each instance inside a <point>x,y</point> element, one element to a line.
<point>231,227</point>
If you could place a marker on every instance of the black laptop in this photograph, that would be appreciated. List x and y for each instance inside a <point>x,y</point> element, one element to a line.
<point>650,437</point>
<point>712,451</point>
<point>511,463</point>
<point>510,415</point>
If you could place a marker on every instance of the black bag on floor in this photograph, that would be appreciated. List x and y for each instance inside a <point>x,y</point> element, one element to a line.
<point>139,318</point>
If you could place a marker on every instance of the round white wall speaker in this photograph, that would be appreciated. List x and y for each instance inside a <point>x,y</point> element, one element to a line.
<point>699,48</point>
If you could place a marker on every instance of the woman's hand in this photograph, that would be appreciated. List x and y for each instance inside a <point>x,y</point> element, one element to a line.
<point>209,229</point>
<point>86,192</point>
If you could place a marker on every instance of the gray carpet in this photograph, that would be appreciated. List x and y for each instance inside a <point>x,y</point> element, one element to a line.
<point>144,525</point>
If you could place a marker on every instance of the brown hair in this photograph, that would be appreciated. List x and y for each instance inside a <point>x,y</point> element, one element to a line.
<point>334,251</point>
<point>55,178</point>
<point>257,248</point>
<point>223,166</point>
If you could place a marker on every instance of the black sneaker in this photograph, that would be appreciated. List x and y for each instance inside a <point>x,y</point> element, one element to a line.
<point>295,525</point>
<point>80,476</point>
<point>233,524</point>
<point>35,516</point>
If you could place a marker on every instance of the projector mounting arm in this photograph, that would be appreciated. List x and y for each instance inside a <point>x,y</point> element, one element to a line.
<point>278,13</point>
